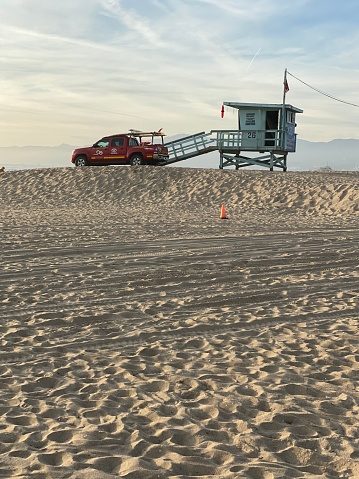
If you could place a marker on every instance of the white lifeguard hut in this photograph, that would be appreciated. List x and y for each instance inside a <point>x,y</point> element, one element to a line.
<point>262,128</point>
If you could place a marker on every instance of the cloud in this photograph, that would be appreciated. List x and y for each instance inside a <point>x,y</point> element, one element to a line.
<point>239,8</point>
<point>132,20</point>
<point>16,34</point>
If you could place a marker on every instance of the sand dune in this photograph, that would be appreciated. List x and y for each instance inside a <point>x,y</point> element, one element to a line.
<point>143,337</point>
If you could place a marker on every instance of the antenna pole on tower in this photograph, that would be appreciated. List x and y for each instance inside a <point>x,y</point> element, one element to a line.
<point>283,119</point>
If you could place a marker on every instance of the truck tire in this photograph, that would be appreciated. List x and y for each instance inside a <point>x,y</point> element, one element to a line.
<point>81,161</point>
<point>137,160</point>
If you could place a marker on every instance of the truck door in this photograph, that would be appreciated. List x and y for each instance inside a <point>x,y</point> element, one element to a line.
<point>118,150</point>
<point>100,150</point>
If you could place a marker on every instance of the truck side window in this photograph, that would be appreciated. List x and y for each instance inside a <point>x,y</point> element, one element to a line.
<point>117,142</point>
<point>102,144</point>
<point>133,142</point>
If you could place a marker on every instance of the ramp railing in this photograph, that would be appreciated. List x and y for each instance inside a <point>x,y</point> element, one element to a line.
<point>190,146</point>
<point>242,140</point>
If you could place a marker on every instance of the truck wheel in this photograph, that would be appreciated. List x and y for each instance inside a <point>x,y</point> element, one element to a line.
<point>81,161</point>
<point>137,160</point>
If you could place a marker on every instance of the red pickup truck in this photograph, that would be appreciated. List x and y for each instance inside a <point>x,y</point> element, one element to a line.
<point>133,148</point>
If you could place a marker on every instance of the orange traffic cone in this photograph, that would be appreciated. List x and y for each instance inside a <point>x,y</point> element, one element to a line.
<point>223,213</point>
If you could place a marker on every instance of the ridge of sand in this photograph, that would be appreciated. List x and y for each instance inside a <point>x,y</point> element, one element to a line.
<point>144,338</point>
<point>313,192</point>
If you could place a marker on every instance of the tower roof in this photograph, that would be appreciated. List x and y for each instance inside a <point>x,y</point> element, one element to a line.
<point>261,106</point>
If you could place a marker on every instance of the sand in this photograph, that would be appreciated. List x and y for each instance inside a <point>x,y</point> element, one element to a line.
<point>143,337</point>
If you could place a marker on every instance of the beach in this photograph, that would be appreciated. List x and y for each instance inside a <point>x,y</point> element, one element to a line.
<point>144,337</point>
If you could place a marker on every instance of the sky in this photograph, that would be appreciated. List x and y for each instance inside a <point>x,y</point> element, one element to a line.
<point>72,71</point>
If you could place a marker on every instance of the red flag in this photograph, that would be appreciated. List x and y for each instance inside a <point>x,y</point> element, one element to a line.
<point>222,111</point>
<point>286,86</point>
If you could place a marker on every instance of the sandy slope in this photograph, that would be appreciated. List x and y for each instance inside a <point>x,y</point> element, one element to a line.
<point>143,337</point>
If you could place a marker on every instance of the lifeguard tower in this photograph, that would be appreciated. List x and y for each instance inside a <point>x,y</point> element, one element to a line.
<point>265,129</point>
<point>268,129</point>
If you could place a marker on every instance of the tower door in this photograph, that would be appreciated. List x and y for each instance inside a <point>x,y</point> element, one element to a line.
<point>272,119</point>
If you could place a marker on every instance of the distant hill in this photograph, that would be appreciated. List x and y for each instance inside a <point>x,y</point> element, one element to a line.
<point>25,157</point>
<point>339,154</point>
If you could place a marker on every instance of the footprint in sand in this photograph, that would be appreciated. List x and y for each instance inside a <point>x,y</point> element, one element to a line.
<point>61,436</point>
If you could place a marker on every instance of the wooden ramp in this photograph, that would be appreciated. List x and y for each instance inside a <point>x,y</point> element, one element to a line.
<point>190,146</point>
